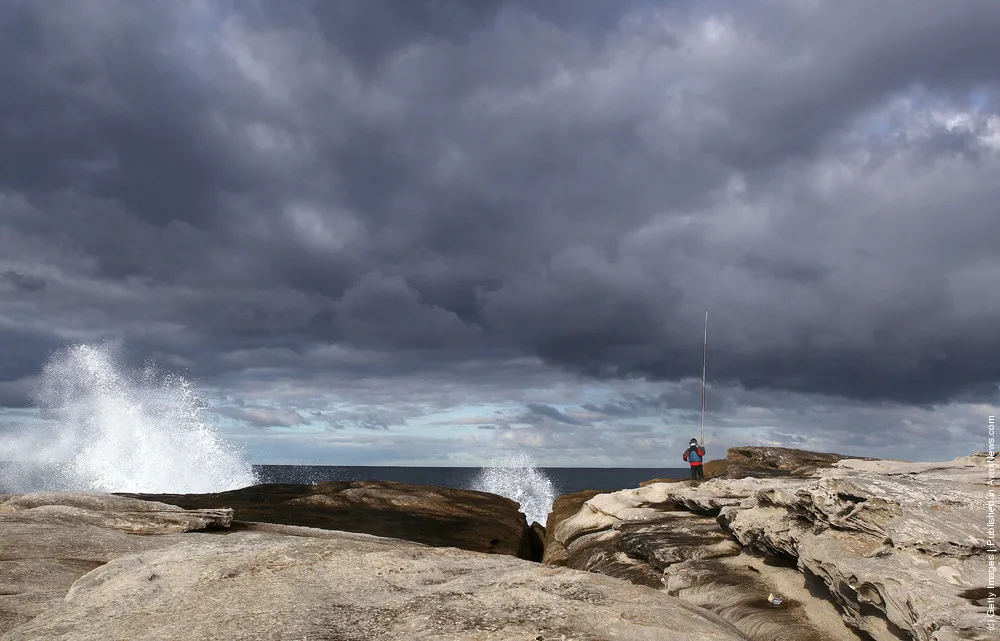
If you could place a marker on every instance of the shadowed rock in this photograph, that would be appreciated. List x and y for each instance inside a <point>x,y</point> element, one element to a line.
<point>437,516</point>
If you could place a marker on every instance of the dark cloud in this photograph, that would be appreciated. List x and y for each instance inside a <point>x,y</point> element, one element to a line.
<point>771,268</point>
<point>548,412</point>
<point>263,416</point>
<point>17,393</point>
<point>25,349</point>
<point>643,404</point>
<point>405,190</point>
<point>23,282</point>
<point>362,420</point>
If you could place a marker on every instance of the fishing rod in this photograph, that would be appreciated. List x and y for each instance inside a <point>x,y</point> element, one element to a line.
<point>704,369</point>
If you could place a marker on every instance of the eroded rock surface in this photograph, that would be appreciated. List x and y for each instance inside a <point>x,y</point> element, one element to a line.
<point>563,508</point>
<point>48,540</point>
<point>889,547</point>
<point>338,585</point>
<point>437,516</point>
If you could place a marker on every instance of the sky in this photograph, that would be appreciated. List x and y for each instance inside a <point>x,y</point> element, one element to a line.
<point>419,232</point>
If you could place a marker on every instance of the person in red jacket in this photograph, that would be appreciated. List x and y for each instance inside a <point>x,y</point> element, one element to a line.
<point>695,455</point>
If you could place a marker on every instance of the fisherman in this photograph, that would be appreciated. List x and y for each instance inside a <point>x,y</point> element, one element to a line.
<point>695,455</point>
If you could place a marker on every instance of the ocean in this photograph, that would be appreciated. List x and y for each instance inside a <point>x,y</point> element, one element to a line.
<point>535,488</point>
<point>565,480</point>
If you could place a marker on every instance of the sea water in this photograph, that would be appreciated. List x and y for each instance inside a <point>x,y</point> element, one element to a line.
<point>109,428</point>
<point>563,480</point>
<point>516,477</point>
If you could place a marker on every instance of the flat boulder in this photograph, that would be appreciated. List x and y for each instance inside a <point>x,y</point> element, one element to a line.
<point>110,511</point>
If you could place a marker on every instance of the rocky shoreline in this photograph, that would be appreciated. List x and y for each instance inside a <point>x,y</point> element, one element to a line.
<point>92,566</point>
<point>857,549</point>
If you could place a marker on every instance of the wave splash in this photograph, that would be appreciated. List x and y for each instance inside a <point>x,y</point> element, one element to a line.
<point>121,430</point>
<point>516,477</point>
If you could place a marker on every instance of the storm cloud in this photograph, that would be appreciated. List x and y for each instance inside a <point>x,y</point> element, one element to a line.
<point>377,211</point>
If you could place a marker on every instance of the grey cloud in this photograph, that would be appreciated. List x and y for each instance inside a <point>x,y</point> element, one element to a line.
<point>380,420</point>
<point>388,312</point>
<point>17,393</point>
<point>784,268</point>
<point>335,191</point>
<point>262,416</point>
<point>363,422</point>
<point>23,282</point>
<point>25,348</point>
<point>682,397</point>
<point>551,413</point>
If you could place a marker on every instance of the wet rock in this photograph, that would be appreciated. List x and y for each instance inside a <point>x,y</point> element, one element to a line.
<point>257,585</point>
<point>437,516</point>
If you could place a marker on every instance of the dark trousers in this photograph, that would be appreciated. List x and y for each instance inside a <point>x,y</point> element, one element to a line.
<point>697,474</point>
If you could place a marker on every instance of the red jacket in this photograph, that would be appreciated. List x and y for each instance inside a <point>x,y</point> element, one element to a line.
<point>697,459</point>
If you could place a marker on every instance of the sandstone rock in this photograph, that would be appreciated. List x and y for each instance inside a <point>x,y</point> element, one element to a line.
<point>661,480</point>
<point>49,540</point>
<point>562,508</point>
<point>738,586</point>
<point>647,536</point>
<point>110,511</point>
<point>437,516</point>
<point>892,544</point>
<point>255,585</point>
<point>741,462</point>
